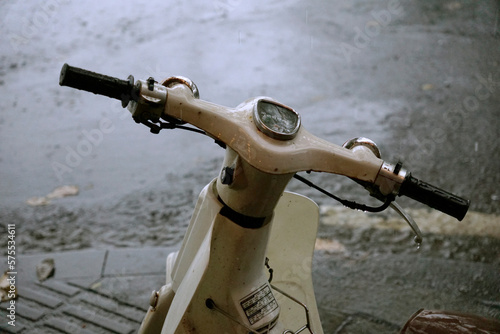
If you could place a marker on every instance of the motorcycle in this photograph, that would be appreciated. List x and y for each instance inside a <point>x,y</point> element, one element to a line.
<point>233,273</point>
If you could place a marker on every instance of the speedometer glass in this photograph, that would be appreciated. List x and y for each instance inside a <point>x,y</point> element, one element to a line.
<point>276,120</point>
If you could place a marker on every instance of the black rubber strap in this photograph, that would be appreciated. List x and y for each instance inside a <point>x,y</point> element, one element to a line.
<point>241,219</point>
<point>434,197</point>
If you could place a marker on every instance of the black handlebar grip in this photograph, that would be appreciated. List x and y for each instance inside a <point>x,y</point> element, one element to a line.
<point>434,197</point>
<point>98,83</point>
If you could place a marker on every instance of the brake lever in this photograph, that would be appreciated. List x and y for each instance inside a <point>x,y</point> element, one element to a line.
<point>375,191</point>
<point>413,225</point>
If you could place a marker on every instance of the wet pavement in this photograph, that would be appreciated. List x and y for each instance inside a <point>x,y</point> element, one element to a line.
<point>368,279</point>
<point>420,79</point>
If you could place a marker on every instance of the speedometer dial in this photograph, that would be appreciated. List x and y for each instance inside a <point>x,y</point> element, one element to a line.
<point>276,120</point>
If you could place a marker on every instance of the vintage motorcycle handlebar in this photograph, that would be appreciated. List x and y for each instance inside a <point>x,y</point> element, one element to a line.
<point>274,148</point>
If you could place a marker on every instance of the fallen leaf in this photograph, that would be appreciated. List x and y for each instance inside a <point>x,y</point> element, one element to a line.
<point>45,269</point>
<point>37,201</point>
<point>5,292</point>
<point>96,285</point>
<point>63,191</point>
<point>59,192</point>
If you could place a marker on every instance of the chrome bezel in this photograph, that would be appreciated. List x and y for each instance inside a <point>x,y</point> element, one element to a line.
<point>272,132</point>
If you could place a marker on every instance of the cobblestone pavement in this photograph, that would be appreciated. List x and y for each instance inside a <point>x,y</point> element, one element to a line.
<point>110,292</point>
<point>92,291</point>
<point>357,291</point>
<point>115,302</point>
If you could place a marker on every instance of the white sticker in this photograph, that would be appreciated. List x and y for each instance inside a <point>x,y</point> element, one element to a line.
<point>259,304</point>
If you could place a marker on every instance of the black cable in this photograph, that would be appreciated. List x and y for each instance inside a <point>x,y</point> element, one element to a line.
<point>166,125</point>
<point>188,128</point>
<point>347,203</point>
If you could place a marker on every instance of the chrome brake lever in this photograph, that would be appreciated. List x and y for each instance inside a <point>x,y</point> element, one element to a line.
<point>366,143</point>
<point>418,234</point>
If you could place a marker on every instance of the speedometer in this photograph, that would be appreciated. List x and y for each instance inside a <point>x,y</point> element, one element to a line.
<point>276,120</point>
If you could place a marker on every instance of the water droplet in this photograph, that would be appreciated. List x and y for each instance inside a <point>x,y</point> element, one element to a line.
<point>418,240</point>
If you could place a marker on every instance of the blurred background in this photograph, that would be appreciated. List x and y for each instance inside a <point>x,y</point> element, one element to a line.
<point>421,79</point>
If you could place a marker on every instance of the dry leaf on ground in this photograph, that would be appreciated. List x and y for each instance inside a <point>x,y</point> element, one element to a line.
<point>59,192</point>
<point>5,289</point>
<point>45,269</point>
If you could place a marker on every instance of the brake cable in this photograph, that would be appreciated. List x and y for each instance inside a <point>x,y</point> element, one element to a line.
<point>159,125</point>
<point>350,204</point>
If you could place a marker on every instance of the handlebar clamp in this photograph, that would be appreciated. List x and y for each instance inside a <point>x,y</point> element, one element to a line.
<point>150,101</point>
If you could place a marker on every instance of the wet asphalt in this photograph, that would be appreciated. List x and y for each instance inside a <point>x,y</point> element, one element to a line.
<point>422,79</point>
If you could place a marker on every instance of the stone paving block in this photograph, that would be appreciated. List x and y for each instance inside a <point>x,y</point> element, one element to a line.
<point>132,261</point>
<point>11,329</point>
<point>112,306</point>
<point>29,312</point>
<point>98,320</point>
<point>39,297</point>
<point>60,287</point>
<point>44,330</point>
<point>66,326</point>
